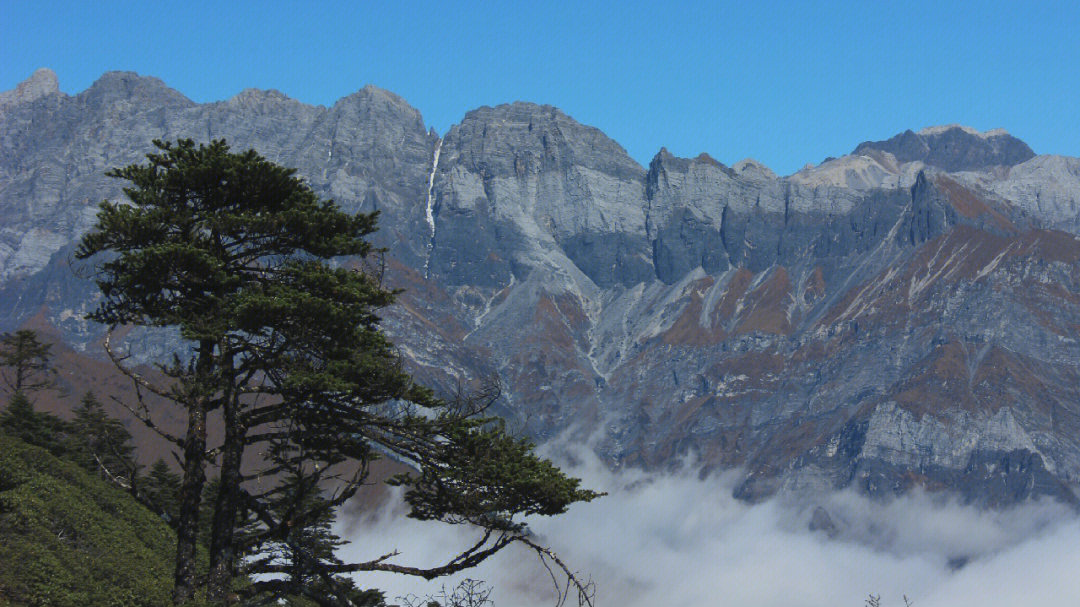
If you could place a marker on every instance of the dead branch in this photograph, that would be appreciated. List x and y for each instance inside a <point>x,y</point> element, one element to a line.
<point>140,383</point>
<point>586,590</point>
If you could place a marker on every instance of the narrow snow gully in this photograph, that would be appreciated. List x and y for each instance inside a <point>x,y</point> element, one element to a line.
<point>429,210</point>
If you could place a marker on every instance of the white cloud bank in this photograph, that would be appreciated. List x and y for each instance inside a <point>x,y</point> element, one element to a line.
<point>674,539</point>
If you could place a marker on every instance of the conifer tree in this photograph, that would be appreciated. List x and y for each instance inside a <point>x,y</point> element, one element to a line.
<point>34,427</point>
<point>25,362</point>
<point>100,443</point>
<point>161,486</point>
<point>240,256</point>
<point>25,367</point>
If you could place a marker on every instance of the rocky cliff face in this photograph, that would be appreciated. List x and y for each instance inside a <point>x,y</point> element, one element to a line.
<point>903,316</point>
<point>952,148</point>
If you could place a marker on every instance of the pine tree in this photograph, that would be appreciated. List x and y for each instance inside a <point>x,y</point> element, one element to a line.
<point>36,428</point>
<point>239,255</point>
<point>28,362</point>
<point>100,443</point>
<point>161,487</point>
<point>311,541</point>
<point>25,367</point>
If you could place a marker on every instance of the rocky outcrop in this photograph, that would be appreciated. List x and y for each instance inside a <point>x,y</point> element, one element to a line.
<point>879,321</point>
<point>1046,188</point>
<point>41,83</point>
<point>531,176</point>
<point>952,148</point>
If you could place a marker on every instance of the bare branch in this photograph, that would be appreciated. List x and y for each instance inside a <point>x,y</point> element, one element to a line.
<point>133,376</point>
<point>143,415</point>
<point>586,590</point>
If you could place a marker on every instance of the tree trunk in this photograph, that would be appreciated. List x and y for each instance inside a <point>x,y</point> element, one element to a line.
<point>222,546</point>
<point>187,530</point>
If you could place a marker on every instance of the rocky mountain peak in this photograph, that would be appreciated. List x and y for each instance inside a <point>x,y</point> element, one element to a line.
<point>520,137</point>
<point>940,129</point>
<point>372,95</point>
<point>953,148</point>
<point>704,157</point>
<point>250,95</point>
<point>872,169</point>
<point>41,83</point>
<point>750,168</point>
<point>146,91</point>
<point>664,159</point>
<point>267,102</point>
<point>379,108</point>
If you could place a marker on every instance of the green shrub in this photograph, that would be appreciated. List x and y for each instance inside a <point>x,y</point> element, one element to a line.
<point>70,538</point>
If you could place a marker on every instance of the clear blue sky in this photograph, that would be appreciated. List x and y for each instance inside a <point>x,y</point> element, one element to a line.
<point>786,83</point>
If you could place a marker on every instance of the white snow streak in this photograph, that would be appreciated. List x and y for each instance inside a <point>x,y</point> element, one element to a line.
<point>428,211</point>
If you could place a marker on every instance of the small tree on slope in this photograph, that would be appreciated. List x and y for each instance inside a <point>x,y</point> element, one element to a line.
<point>239,256</point>
<point>26,367</point>
<point>25,362</point>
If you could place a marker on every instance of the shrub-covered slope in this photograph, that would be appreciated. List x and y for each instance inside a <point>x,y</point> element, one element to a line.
<point>71,539</point>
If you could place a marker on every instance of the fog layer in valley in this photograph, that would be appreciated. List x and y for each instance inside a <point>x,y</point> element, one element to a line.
<point>675,539</point>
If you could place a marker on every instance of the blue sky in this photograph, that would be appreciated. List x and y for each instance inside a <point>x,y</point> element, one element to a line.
<point>784,82</point>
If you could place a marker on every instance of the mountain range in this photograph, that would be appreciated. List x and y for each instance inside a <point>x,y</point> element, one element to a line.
<point>902,316</point>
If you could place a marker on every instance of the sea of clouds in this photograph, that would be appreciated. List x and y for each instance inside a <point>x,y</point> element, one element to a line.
<point>678,539</point>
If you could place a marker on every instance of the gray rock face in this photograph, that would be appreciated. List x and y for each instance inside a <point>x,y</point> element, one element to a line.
<point>879,321</point>
<point>1046,188</point>
<point>531,175</point>
<point>54,151</point>
<point>41,83</point>
<point>953,148</point>
<point>703,214</point>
